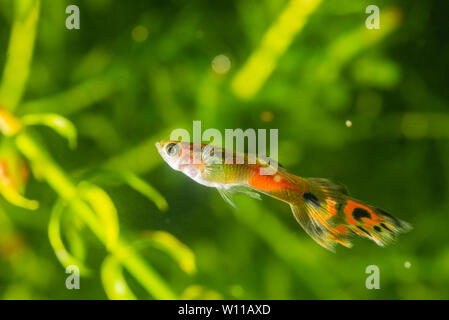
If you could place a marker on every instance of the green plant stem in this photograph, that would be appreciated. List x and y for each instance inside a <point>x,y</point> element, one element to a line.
<point>20,53</point>
<point>66,189</point>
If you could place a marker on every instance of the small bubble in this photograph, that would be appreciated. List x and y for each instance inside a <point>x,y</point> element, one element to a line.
<point>348,123</point>
<point>139,34</point>
<point>407,264</point>
<point>221,64</point>
<point>267,116</point>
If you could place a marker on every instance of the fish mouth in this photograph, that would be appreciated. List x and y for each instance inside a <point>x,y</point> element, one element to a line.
<point>158,145</point>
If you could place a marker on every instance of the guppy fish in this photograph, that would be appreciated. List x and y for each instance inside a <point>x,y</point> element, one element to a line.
<point>322,207</point>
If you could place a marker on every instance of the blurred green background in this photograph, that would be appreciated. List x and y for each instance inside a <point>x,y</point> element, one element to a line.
<point>365,107</point>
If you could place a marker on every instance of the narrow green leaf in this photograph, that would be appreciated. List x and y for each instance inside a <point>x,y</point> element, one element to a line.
<point>20,52</point>
<point>54,235</point>
<point>103,206</point>
<point>15,198</point>
<point>143,272</point>
<point>114,283</point>
<point>61,125</point>
<point>134,182</point>
<point>169,244</point>
<point>75,239</point>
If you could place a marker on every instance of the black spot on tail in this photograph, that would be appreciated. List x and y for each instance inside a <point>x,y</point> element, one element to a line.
<point>385,227</point>
<point>310,197</point>
<point>363,229</point>
<point>360,213</point>
<point>377,229</point>
<point>396,221</point>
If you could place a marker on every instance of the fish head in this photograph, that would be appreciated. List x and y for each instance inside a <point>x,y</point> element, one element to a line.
<point>175,153</point>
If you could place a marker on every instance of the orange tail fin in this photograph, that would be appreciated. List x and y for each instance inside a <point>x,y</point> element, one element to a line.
<point>330,216</point>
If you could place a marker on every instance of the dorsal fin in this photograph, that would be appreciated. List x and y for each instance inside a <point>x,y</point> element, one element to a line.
<point>331,186</point>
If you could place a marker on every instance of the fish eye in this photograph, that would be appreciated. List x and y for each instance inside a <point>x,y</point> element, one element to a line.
<point>172,149</point>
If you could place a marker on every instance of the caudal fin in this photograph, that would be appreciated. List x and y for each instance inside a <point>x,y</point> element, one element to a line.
<point>330,216</point>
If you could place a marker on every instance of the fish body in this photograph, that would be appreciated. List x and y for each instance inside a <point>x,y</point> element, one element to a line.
<point>322,207</point>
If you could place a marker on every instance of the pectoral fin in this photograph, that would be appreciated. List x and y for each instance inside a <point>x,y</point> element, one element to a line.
<point>227,196</point>
<point>228,193</point>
